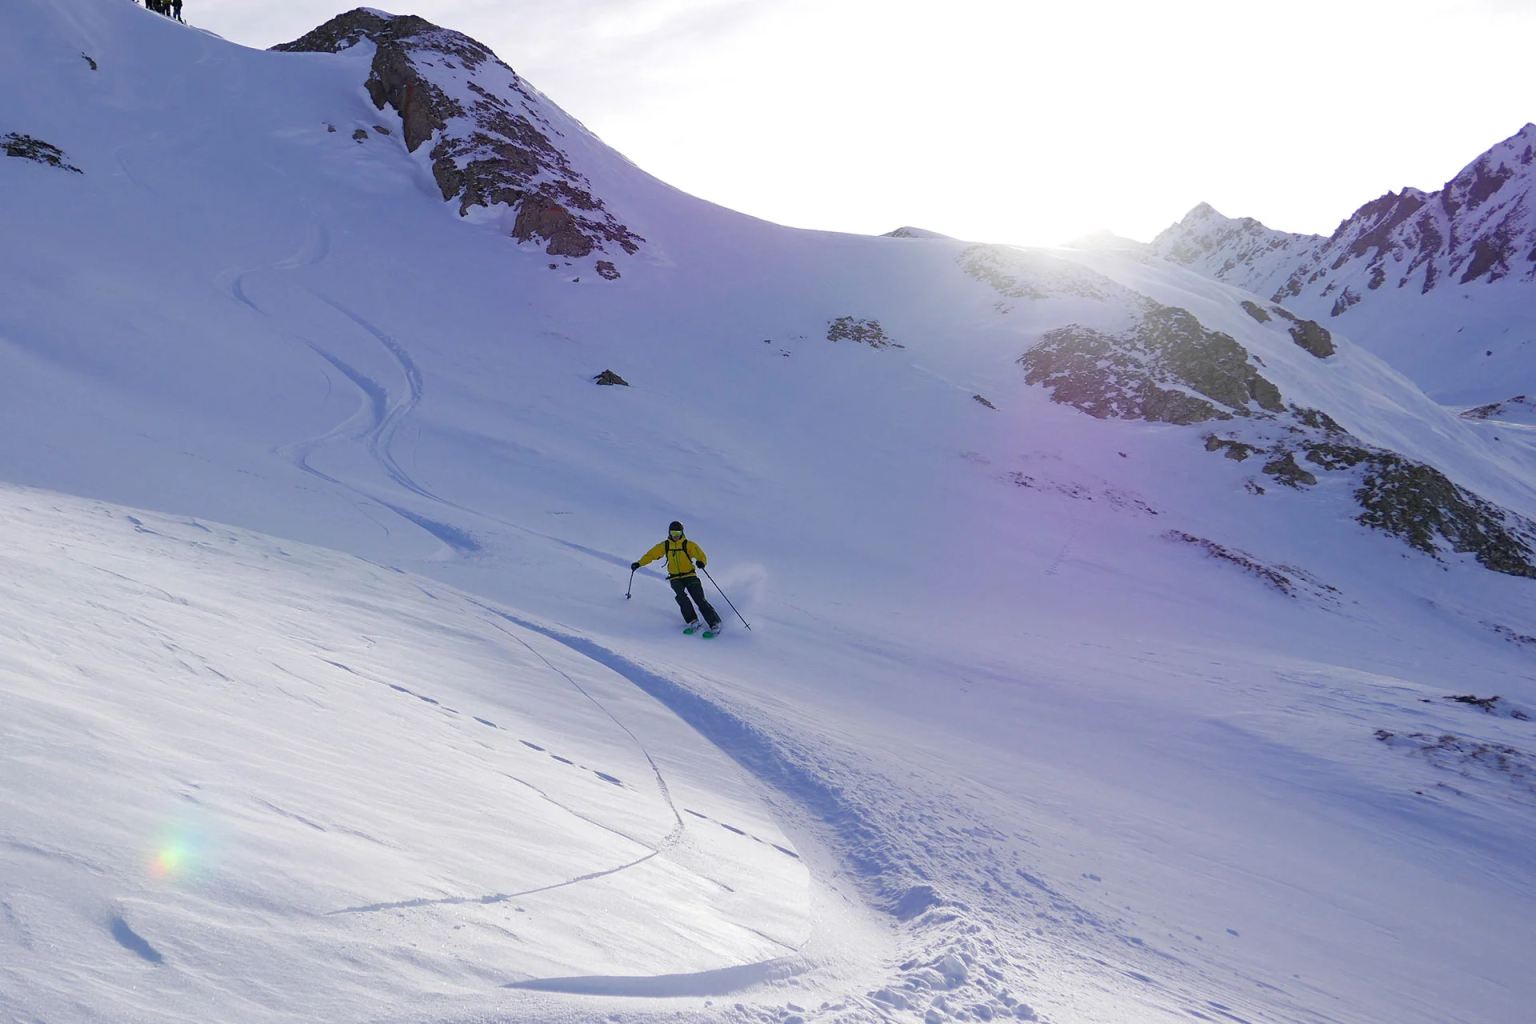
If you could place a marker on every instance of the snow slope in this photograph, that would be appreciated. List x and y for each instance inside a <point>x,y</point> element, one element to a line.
<point>1062,718</point>
<point>225,750</point>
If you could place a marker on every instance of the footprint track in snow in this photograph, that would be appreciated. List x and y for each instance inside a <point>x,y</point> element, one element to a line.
<point>742,832</point>
<point>653,850</point>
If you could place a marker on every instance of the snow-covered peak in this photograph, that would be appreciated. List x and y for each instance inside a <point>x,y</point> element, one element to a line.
<point>1240,251</point>
<point>1479,226</point>
<point>497,140</point>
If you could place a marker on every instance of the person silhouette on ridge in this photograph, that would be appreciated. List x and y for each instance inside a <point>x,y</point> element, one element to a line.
<point>681,555</point>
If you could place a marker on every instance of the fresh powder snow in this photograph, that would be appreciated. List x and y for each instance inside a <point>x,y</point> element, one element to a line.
<point>321,698</point>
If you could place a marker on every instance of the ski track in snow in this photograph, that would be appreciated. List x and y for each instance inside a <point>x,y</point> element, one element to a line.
<point>381,415</point>
<point>448,901</point>
<point>670,840</point>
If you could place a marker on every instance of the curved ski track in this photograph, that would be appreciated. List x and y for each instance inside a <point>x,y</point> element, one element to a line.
<point>375,424</point>
<point>379,418</point>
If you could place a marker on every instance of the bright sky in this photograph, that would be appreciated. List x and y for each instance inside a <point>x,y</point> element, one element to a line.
<point>1024,121</point>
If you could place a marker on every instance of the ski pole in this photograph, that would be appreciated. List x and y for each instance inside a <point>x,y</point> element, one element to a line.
<point>631,584</point>
<point>744,622</point>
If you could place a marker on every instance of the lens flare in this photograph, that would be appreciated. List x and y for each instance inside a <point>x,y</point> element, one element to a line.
<point>176,856</point>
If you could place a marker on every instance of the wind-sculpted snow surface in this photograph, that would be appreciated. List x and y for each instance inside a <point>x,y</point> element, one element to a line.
<point>203,763</point>
<point>1043,715</point>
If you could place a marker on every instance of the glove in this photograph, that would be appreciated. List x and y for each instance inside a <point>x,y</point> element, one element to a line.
<point>699,563</point>
<point>634,566</point>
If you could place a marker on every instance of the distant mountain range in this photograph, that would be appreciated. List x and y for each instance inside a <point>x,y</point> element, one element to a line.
<point>1479,230</point>
<point>1480,227</point>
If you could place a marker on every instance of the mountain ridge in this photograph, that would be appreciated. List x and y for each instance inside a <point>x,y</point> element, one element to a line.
<point>1481,225</point>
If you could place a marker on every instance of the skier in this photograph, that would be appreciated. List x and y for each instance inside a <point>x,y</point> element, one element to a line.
<point>681,554</point>
<point>176,10</point>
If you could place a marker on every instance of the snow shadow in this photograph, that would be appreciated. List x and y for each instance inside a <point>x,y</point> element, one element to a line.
<point>720,982</point>
<point>858,838</point>
<point>133,942</point>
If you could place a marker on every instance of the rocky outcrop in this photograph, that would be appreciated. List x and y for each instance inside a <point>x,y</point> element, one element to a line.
<point>491,141</point>
<point>1167,369</point>
<point>28,148</point>
<point>1309,334</point>
<point>1518,409</point>
<point>1256,311</point>
<point>910,232</point>
<point>1287,579</point>
<point>538,217</point>
<point>865,332</point>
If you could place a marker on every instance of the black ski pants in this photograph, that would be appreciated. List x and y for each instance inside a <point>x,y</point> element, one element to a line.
<point>689,586</point>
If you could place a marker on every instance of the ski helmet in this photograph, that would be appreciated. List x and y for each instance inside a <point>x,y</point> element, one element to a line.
<point>677,526</point>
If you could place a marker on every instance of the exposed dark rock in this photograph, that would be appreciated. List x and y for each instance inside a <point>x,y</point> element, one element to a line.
<point>984,402</point>
<point>609,378</point>
<point>1519,639</point>
<point>1170,369</point>
<point>1309,334</point>
<point>381,129</point>
<point>1284,469</point>
<point>1419,504</point>
<point>1493,409</point>
<point>1256,311</point>
<point>1487,704</point>
<point>1287,579</point>
<point>607,271</point>
<point>361,135</point>
<point>1316,419</point>
<point>865,332</point>
<point>1346,300</point>
<point>89,61</point>
<point>1149,372</point>
<point>1470,759</point>
<point>911,232</point>
<point>1490,255</point>
<point>490,148</point>
<point>540,217</point>
<point>1313,337</point>
<point>1236,450</point>
<point>28,148</point>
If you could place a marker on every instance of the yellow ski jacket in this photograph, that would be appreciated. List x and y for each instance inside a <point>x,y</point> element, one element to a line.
<point>680,557</point>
